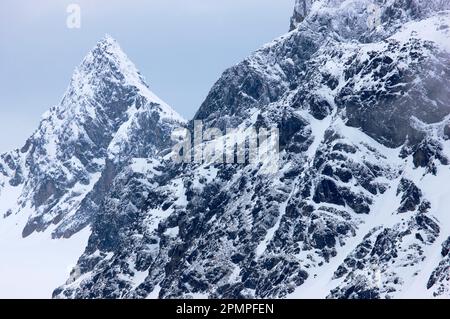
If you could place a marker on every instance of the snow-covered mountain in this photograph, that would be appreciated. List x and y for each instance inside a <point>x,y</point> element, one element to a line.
<point>56,182</point>
<point>358,209</point>
<point>359,90</point>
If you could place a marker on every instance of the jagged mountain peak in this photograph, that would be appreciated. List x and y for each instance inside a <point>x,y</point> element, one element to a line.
<point>105,77</point>
<point>104,66</point>
<point>109,42</point>
<point>108,50</point>
<point>105,92</point>
<point>107,116</point>
<point>108,54</point>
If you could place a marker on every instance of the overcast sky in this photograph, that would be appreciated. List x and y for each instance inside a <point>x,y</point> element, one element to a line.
<point>180,46</point>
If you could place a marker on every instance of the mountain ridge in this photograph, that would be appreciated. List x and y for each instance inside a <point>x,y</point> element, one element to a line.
<point>357,209</point>
<point>354,211</point>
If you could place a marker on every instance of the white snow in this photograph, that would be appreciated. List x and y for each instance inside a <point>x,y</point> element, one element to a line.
<point>435,29</point>
<point>384,214</point>
<point>234,277</point>
<point>134,78</point>
<point>33,267</point>
<point>435,190</point>
<point>145,165</point>
<point>155,293</point>
<point>320,281</point>
<point>318,127</point>
<point>261,248</point>
<point>172,232</point>
<point>139,278</point>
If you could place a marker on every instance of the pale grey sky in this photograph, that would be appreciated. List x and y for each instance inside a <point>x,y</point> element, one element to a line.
<point>180,46</point>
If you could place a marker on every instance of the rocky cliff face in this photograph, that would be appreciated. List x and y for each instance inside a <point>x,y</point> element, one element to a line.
<point>358,209</point>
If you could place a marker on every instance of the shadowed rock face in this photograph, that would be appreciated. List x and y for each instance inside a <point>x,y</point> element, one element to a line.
<point>441,274</point>
<point>267,76</point>
<point>363,112</point>
<point>385,111</point>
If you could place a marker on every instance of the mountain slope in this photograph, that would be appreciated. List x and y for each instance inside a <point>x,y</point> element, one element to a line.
<point>359,91</point>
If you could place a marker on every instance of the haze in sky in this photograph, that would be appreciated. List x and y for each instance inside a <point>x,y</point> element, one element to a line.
<point>181,47</point>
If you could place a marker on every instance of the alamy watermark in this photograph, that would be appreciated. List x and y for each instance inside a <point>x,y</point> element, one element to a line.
<point>73,20</point>
<point>234,146</point>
